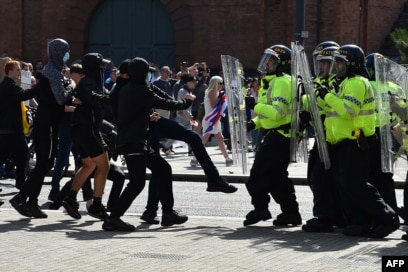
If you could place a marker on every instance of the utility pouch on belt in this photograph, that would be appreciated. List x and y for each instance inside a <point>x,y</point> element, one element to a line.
<point>362,142</point>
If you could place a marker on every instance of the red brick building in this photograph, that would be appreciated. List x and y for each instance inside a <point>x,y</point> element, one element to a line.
<point>197,30</point>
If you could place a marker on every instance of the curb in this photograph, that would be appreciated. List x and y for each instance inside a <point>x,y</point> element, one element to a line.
<point>398,184</point>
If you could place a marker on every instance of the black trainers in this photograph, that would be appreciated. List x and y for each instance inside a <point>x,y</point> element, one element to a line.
<point>19,204</point>
<point>36,212</point>
<point>116,224</point>
<point>150,217</point>
<point>381,231</point>
<point>174,218</point>
<point>356,230</point>
<point>285,219</point>
<point>221,185</point>
<point>255,216</point>
<point>316,225</point>
<point>405,237</point>
<point>97,212</point>
<point>1,202</point>
<point>72,207</point>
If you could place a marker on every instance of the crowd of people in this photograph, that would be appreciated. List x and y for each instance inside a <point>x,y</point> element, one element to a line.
<point>80,112</point>
<point>97,111</point>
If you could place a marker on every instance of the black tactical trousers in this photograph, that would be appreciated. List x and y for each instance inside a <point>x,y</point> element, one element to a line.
<point>326,198</point>
<point>361,202</point>
<point>269,174</point>
<point>383,182</point>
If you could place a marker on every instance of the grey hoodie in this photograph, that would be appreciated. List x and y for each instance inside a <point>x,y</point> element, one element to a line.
<point>52,70</point>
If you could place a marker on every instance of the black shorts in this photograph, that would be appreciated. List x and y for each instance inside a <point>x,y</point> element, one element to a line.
<point>88,141</point>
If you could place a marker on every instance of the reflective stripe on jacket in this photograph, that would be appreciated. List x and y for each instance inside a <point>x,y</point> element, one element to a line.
<point>274,103</point>
<point>351,109</point>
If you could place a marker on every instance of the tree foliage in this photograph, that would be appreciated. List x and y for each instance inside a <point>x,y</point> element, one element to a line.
<point>400,37</point>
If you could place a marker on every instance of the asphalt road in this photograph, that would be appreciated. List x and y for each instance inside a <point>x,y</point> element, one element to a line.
<point>190,197</point>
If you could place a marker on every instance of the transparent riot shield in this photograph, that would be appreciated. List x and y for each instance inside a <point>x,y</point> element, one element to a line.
<point>302,66</point>
<point>295,108</point>
<point>389,78</point>
<point>298,146</point>
<point>233,70</point>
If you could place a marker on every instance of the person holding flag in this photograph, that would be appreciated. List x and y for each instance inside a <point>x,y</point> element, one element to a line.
<point>215,104</point>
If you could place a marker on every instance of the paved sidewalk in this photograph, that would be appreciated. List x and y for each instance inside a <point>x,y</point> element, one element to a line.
<point>60,243</point>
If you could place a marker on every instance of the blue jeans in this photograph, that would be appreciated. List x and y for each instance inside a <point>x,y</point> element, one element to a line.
<point>64,148</point>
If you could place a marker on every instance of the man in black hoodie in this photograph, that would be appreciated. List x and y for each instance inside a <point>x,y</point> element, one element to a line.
<point>135,101</point>
<point>51,105</point>
<point>167,128</point>
<point>87,138</point>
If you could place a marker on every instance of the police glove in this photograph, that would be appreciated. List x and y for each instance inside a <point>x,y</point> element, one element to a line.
<point>250,102</point>
<point>305,117</point>
<point>322,91</point>
<point>250,125</point>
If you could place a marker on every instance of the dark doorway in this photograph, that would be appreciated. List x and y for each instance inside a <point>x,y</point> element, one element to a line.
<point>122,29</point>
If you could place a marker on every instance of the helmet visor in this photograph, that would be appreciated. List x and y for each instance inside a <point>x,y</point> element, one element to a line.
<point>324,66</point>
<point>315,62</point>
<point>268,53</point>
<point>338,67</point>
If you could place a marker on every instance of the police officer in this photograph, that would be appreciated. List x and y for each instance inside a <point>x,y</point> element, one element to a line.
<point>326,210</point>
<point>350,129</point>
<point>269,173</point>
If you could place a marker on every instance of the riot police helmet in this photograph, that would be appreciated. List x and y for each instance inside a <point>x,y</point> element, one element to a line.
<point>282,56</point>
<point>353,58</point>
<point>325,55</point>
<point>319,48</point>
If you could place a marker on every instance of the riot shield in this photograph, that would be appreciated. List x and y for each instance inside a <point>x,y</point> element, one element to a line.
<point>389,77</point>
<point>295,106</point>
<point>302,67</point>
<point>233,70</point>
<point>298,142</point>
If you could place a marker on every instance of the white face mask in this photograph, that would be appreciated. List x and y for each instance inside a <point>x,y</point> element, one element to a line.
<point>65,58</point>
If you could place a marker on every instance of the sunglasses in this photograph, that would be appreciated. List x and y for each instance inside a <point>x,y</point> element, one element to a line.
<point>220,83</point>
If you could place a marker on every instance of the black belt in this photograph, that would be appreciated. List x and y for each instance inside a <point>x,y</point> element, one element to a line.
<point>285,128</point>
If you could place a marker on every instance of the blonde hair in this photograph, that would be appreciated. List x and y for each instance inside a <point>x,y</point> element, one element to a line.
<point>3,62</point>
<point>214,80</point>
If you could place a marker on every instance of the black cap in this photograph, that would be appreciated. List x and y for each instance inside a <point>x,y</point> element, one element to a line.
<point>92,62</point>
<point>95,58</point>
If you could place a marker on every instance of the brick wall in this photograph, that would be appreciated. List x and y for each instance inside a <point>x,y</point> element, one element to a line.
<point>206,29</point>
